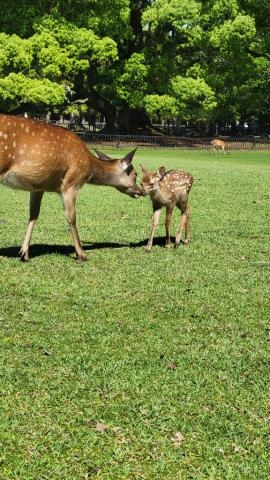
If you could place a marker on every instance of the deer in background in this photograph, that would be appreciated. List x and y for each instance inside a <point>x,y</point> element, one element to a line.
<point>39,158</point>
<point>168,189</point>
<point>218,144</point>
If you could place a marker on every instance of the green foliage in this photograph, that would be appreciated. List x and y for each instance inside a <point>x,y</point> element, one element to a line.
<point>76,43</point>
<point>234,35</point>
<point>52,57</point>
<point>120,55</point>
<point>219,11</point>
<point>181,16</point>
<point>16,88</point>
<point>132,84</point>
<point>195,99</point>
<point>161,107</point>
<point>15,54</point>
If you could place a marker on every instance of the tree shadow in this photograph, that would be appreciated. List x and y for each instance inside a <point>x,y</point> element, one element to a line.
<point>38,249</point>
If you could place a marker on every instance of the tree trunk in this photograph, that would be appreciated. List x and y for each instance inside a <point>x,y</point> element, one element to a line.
<point>132,121</point>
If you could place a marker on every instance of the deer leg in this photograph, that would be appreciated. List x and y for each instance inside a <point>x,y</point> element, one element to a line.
<point>155,219</point>
<point>169,211</point>
<point>187,227</point>
<point>34,209</point>
<point>69,201</point>
<point>185,216</point>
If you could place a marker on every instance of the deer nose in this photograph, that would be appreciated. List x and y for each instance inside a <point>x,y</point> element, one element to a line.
<point>143,193</point>
<point>136,192</point>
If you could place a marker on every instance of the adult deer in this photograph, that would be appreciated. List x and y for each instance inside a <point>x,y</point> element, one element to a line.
<point>39,158</point>
<point>168,189</point>
<point>218,144</point>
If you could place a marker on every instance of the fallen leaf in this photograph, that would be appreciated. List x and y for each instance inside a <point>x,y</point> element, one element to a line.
<point>101,427</point>
<point>177,439</point>
<point>238,448</point>
<point>116,430</point>
<point>172,365</point>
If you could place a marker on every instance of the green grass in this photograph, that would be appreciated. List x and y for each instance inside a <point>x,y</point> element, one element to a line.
<point>147,344</point>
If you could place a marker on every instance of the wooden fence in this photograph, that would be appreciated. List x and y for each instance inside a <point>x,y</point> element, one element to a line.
<point>118,141</point>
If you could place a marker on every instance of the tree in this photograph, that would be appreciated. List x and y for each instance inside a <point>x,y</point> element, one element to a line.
<point>135,61</point>
<point>45,68</point>
<point>237,58</point>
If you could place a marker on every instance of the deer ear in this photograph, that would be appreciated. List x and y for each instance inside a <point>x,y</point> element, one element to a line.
<point>143,168</point>
<point>126,161</point>
<point>161,172</point>
<point>102,156</point>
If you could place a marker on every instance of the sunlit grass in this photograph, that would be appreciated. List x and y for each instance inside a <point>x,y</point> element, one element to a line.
<point>147,345</point>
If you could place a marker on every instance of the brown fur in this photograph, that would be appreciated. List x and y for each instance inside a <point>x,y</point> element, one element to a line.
<point>218,144</point>
<point>38,158</point>
<point>168,189</point>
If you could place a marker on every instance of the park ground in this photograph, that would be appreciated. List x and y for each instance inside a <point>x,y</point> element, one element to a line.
<point>135,365</point>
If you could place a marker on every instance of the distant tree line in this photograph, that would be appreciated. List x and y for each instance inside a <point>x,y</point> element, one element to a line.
<point>139,62</point>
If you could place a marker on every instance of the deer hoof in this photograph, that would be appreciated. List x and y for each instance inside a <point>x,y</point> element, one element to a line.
<point>24,255</point>
<point>81,257</point>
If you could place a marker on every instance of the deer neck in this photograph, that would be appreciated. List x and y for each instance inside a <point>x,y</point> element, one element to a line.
<point>103,172</point>
<point>161,195</point>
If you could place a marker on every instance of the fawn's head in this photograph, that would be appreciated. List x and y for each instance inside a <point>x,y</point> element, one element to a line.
<point>150,180</point>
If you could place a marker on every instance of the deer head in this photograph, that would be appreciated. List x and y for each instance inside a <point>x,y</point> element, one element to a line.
<point>123,173</point>
<point>150,180</point>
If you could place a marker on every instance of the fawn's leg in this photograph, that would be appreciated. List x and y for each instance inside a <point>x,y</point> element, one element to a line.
<point>185,217</point>
<point>169,211</point>
<point>69,201</point>
<point>155,219</point>
<point>187,227</point>
<point>34,209</point>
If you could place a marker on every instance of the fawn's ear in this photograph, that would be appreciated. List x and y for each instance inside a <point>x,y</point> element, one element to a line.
<point>143,168</point>
<point>161,172</point>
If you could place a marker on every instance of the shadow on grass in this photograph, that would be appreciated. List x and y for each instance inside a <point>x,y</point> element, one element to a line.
<point>37,250</point>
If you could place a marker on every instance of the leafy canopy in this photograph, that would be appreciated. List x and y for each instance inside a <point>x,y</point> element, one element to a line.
<point>198,60</point>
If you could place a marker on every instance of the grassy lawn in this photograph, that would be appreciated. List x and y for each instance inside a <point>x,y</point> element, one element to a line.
<point>134,365</point>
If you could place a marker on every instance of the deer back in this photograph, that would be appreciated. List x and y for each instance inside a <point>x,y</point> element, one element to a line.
<point>37,156</point>
<point>166,187</point>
